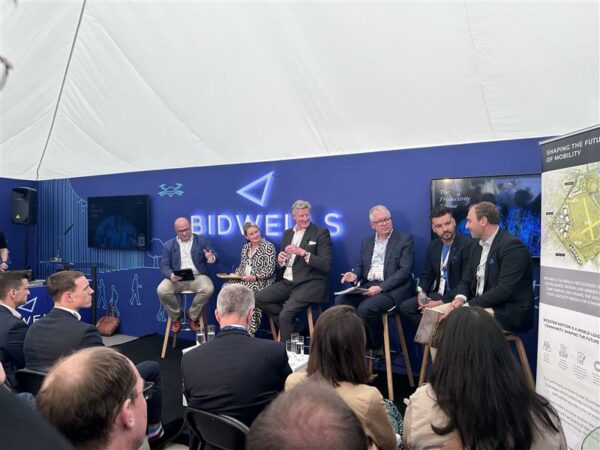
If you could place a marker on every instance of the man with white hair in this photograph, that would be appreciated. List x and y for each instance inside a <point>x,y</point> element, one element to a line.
<point>96,399</point>
<point>305,260</point>
<point>234,374</point>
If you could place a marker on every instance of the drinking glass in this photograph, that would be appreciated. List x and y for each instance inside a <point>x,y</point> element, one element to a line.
<point>211,332</point>
<point>299,348</point>
<point>294,336</point>
<point>200,337</point>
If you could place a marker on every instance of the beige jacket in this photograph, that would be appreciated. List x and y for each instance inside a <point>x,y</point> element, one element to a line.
<point>422,411</point>
<point>367,403</point>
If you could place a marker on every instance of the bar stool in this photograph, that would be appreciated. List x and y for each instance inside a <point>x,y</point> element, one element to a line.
<point>393,311</point>
<point>203,322</point>
<point>510,338</point>
<point>309,318</point>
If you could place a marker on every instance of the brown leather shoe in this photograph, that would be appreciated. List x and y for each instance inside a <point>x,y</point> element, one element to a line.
<point>175,326</point>
<point>193,324</point>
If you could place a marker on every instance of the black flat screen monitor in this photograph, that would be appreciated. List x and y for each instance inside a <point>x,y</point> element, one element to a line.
<point>518,198</point>
<point>119,222</point>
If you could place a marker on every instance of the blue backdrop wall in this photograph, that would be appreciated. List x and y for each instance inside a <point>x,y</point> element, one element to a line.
<point>341,190</point>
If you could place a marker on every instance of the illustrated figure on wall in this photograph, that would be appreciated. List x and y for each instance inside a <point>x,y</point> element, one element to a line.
<point>155,251</point>
<point>135,291</point>
<point>101,294</point>
<point>161,315</point>
<point>114,299</point>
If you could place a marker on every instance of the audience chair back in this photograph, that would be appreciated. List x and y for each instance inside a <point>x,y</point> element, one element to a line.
<point>30,380</point>
<point>219,431</point>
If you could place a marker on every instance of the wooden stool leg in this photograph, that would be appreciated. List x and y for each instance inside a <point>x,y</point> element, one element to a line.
<point>166,338</point>
<point>524,361</point>
<point>388,358</point>
<point>411,379</point>
<point>273,329</point>
<point>423,372</point>
<point>309,317</point>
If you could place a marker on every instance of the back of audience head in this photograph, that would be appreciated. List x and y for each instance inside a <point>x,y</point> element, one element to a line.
<point>481,389</point>
<point>337,348</point>
<point>95,398</point>
<point>235,301</point>
<point>12,280</point>
<point>62,282</point>
<point>311,416</point>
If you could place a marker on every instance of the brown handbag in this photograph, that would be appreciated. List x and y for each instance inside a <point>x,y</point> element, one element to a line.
<point>108,324</point>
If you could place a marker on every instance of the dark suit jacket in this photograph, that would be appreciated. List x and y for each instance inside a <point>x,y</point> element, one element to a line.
<point>56,334</point>
<point>317,242</point>
<point>12,337</point>
<point>397,266</point>
<point>508,288</point>
<point>458,265</point>
<point>171,255</point>
<point>235,374</point>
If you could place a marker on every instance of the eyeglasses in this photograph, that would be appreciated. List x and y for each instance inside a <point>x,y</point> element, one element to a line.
<point>184,230</point>
<point>147,390</point>
<point>382,221</point>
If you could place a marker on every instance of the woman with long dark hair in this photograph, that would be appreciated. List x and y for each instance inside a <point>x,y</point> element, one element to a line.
<point>337,358</point>
<point>478,397</point>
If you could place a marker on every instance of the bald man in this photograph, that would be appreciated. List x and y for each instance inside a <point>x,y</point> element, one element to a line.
<point>96,399</point>
<point>185,251</point>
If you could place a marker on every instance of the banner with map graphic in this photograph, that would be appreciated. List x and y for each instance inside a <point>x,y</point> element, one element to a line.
<point>568,367</point>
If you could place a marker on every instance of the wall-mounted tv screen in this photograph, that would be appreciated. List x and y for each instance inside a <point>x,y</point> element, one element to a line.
<point>518,198</point>
<point>119,222</point>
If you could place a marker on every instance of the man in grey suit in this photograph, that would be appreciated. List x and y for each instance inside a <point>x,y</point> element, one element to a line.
<point>305,259</point>
<point>384,269</point>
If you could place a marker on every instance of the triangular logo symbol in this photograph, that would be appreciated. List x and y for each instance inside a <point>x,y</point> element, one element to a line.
<point>29,306</point>
<point>249,191</point>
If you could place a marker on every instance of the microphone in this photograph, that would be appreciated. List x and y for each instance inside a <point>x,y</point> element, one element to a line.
<point>57,257</point>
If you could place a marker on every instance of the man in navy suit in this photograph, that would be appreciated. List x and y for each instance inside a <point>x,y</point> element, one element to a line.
<point>500,277</point>
<point>384,269</point>
<point>446,264</point>
<point>234,374</point>
<point>61,332</point>
<point>14,289</point>
<point>185,251</point>
<point>305,260</point>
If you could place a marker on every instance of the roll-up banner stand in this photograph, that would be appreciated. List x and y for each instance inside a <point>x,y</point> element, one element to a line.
<point>568,363</point>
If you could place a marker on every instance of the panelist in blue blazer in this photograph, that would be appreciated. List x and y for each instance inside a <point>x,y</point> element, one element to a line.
<point>185,251</point>
<point>384,269</point>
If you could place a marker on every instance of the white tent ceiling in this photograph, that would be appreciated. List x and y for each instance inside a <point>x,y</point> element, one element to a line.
<point>106,87</point>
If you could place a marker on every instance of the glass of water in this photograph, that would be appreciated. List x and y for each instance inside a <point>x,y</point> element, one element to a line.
<point>200,336</point>
<point>211,332</point>
<point>299,348</point>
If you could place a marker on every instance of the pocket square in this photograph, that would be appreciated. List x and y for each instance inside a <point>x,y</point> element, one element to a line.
<point>312,243</point>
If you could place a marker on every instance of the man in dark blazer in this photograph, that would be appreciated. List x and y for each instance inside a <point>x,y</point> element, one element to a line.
<point>384,270</point>
<point>500,277</point>
<point>446,264</point>
<point>14,289</point>
<point>185,251</point>
<point>234,374</point>
<point>305,260</point>
<point>61,332</point>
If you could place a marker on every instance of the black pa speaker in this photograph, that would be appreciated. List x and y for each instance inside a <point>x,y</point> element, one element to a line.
<point>23,205</point>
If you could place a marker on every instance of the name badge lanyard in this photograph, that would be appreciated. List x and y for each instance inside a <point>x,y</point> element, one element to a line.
<point>443,269</point>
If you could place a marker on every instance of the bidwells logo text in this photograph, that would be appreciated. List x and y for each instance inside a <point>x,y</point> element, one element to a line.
<point>272,223</point>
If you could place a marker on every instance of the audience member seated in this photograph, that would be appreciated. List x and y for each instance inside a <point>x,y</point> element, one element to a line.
<point>305,260</point>
<point>22,427</point>
<point>185,251</point>
<point>478,397</point>
<point>96,399</point>
<point>61,332</point>
<point>309,417</point>
<point>257,267</point>
<point>337,357</point>
<point>14,289</point>
<point>234,374</point>
<point>384,269</point>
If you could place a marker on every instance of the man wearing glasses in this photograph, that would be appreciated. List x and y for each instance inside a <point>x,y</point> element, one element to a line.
<point>384,271</point>
<point>185,251</point>
<point>97,399</point>
<point>61,331</point>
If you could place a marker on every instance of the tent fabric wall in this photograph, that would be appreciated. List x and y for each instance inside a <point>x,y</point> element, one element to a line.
<point>155,85</point>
